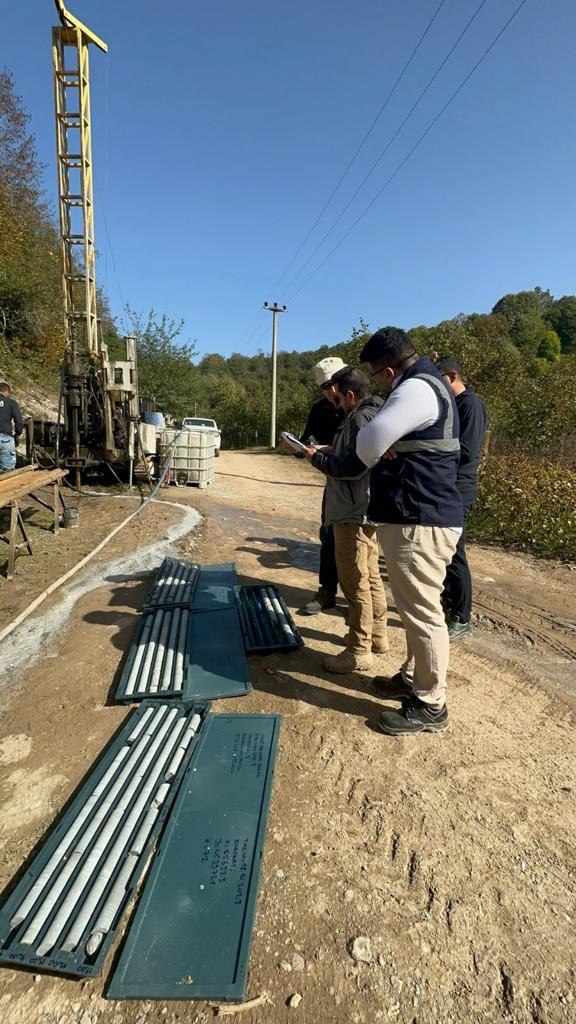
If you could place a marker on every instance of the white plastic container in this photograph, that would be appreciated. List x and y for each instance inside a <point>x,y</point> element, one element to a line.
<point>148,438</point>
<point>192,461</point>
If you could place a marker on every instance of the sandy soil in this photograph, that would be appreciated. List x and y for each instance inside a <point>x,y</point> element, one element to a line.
<point>453,854</point>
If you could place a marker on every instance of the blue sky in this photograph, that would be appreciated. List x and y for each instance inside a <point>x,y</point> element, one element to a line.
<point>219,131</point>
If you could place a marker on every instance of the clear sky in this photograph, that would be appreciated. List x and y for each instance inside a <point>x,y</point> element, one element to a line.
<point>220,130</point>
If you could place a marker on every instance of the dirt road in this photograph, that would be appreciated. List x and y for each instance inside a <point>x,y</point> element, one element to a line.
<point>454,855</point>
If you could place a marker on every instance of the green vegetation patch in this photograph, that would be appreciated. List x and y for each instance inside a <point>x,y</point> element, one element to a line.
<point>527,502</point>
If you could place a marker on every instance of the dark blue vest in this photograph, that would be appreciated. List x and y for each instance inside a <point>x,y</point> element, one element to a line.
<point>419,485</point>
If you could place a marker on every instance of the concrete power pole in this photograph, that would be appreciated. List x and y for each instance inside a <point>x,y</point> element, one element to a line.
<point>275,309</point>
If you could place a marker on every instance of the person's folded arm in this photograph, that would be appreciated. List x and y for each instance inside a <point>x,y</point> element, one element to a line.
<point>411,406</point>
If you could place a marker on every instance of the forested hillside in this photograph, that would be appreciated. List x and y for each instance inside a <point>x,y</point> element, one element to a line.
<point>521,358</point>
<point>524,369</point>
<point>31,310</point>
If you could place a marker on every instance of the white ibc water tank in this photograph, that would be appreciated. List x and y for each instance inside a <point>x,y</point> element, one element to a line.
<point>148,438</point>
<point>192,460</point>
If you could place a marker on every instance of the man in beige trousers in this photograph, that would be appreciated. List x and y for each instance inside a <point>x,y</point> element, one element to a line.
<point>413,449</point>
<point>355,540</point>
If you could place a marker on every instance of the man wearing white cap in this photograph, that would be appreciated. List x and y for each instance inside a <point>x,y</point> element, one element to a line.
<point>323,421</point>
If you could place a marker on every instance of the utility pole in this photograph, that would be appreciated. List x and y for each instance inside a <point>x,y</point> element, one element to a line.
<point>274,309</point>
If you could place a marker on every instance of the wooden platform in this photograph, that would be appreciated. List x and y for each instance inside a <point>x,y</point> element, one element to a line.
<point>25,483</point>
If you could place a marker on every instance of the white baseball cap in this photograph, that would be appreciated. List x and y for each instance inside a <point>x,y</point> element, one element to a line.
<point>326,368</point>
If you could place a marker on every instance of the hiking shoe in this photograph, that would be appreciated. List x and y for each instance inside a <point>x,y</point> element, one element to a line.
<point>392,687</point>
<point>414,717</point>
<point>347,661</point>
<point>458,630</point>
<point>323,600</point>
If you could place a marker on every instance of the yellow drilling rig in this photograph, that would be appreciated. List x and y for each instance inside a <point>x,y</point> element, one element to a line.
<point>99,406</point>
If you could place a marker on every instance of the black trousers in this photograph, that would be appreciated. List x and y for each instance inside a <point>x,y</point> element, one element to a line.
<point>328,571</point>
<point>328,576</point>
<point>457,594</point>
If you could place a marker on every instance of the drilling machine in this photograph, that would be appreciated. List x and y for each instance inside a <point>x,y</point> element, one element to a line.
<point>99,408</point>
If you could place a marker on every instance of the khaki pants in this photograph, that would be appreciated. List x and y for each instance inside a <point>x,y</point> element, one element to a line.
<point>359,576</point>
<point>416,559</point>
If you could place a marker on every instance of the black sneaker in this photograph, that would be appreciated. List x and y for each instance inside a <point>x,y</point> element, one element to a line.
<point>392,687</point>
<point>323,600</point>
<point>458,630</point>
<point>414,717</point>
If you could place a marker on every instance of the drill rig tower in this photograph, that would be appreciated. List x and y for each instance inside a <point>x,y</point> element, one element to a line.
<point>100,397</point>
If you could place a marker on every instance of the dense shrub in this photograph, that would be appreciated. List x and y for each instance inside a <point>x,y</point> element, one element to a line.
<point>527,502</point>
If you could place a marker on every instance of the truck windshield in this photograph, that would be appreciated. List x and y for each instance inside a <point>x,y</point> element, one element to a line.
<point>198,423</point>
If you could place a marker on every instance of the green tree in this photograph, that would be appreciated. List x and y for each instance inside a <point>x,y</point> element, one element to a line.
<point>350,350</point>
<point>20,169</point>
<point>561,316</point>
<point>212,363</point>
<point>549,347</point>
<point>30,269</point>
<point>523,311</point>
<point>165,369</point>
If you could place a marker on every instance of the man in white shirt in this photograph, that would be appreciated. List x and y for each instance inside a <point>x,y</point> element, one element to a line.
<point>413,450</point>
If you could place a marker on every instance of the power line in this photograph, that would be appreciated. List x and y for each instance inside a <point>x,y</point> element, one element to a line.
<point>405,159</point>
<point>251,333</point>
<point>390,141</point>
<point>256,344</point>
<point>363,141</point>
<point>255,335</point>
<point>252,326</point>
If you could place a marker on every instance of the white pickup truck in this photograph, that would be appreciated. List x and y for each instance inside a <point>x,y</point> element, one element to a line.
<point>205,426</point>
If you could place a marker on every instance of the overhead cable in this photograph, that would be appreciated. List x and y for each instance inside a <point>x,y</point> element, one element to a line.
<point>362,142</point>
<point>390,142</point>
<point>252,332</point>
<point>414,147</point>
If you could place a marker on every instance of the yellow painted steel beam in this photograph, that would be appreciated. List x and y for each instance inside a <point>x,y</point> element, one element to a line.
<point>72,101</point>
<point>69,21</point>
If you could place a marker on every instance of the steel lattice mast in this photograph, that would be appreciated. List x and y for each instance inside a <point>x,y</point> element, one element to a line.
<point>70,43</point>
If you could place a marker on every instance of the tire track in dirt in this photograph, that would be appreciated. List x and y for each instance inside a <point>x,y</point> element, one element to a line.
<point>540,627</point>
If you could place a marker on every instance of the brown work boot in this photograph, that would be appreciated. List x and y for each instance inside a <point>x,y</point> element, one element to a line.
<point>380,644</point>
<point>348,661</point>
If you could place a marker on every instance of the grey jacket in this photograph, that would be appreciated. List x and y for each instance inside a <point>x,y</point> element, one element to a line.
<point>347,477</point>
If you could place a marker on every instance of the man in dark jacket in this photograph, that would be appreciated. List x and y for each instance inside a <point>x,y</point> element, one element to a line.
<point>457,596</point>
<point>323,421</point>
<point>413,450</point>
<point>325,416</point>
<point>356,541</point>
<point>9,415</point>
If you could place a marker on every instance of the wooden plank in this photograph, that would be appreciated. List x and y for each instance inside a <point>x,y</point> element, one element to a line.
<point>16,472</point>
<point>6,485</point>
<point>29,473</point>
<point>12,550</point>
<point>20,490</point>
<point>56,509</point>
